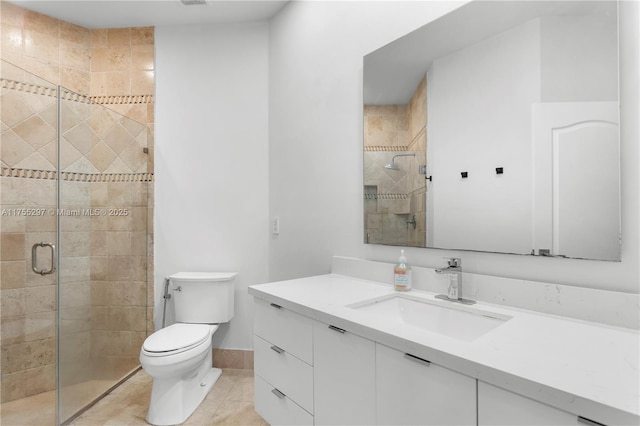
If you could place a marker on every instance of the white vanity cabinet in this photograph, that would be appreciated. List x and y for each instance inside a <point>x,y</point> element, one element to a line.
<point>283,365</point>
<point>308,372</point>
<point>414,391</point>
<point>344,377</point>
<point>497,406</point>
<point>364,376</point>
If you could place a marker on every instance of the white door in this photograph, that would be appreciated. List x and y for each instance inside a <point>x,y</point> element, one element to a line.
<point>576,179</point>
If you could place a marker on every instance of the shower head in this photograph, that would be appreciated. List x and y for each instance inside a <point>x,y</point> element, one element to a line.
<point>392,165</point>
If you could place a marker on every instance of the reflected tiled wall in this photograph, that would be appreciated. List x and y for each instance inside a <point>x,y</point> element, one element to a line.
<point>393,197</point>
<point>417,183</point>
<point>386,133</point>
<point>386,126</point>
<point>106,275</point>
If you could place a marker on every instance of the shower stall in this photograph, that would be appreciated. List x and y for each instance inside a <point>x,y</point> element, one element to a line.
<point>74,187</point>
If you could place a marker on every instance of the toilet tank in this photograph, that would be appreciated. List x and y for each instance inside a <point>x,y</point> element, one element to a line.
<point>203,297</point>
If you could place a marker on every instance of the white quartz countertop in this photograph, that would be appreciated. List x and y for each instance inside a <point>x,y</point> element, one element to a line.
<point>585,368</point>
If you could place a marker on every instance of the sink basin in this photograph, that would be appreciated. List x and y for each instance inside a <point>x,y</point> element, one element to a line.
<point>446,318</point>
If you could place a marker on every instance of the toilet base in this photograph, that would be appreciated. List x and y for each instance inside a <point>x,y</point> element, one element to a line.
<point>174,400</point>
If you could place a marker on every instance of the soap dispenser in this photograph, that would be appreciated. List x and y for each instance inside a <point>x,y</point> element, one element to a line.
<point>402,274</point>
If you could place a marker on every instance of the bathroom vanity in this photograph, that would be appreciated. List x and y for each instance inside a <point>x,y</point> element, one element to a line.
<point>336,349</point>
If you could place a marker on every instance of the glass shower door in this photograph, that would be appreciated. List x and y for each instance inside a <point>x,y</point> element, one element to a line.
<point>73,253</point>
<point>28,200</point>
<point>103,249</point>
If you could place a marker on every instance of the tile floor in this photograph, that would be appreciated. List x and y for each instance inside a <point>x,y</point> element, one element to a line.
<point>230,402</point>
<point>40,409</point>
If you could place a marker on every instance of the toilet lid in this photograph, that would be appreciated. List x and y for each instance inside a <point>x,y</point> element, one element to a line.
<point>177,337</point>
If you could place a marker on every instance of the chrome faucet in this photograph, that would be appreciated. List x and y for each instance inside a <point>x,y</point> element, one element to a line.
<point>454,270</point>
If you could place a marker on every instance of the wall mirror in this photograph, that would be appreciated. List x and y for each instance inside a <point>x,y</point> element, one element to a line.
<point>495,128</point>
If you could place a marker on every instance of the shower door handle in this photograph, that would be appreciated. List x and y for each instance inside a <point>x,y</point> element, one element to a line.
<point>34,258</point>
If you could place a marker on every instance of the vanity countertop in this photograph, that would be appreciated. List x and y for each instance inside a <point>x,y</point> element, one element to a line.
<point>582,367</point>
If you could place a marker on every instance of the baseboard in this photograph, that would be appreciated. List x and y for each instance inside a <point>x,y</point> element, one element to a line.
<point>233,358</point>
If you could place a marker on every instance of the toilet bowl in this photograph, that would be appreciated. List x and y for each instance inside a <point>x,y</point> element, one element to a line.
<point>179,357</point>
<point>177,349</point>
<point>179,360</point>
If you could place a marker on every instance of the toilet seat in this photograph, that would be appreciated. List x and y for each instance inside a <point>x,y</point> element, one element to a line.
<point>177,338</point>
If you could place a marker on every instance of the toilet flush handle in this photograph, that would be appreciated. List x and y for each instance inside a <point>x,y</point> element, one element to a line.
<point>179,288</point>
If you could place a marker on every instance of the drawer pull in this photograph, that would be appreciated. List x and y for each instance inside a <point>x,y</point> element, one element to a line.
<point>277,349</point>
<point>417,359</point>
<point>277,393</point>
<point>276,306</point>
<point>589,422</point>
<point>339,330</point>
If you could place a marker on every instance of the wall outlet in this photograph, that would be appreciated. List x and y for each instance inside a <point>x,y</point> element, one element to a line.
<point>275,226</point>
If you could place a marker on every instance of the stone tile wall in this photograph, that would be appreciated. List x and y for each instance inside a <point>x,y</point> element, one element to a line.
<point>53,50</point>
<point>399,195</point>
<point>417,183</point>
<point>118,247</point>
<point>386,126</point>
<point>28,311</point>
<point>233,358</point>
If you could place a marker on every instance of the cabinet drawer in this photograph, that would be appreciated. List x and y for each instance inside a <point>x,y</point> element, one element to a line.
<point>277,409</point>
<point>497,406</point>
<point>286,329</point>
<point>291,376</point>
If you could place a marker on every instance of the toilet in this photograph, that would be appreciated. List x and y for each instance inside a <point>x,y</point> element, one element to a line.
<point>178,357</point>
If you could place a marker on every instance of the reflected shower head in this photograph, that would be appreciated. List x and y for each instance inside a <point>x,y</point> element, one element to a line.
<point>392,165</point>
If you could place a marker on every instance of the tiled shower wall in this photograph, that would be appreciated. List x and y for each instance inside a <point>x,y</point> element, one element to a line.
<point>386,204</point>
<point>28,311</point>
<point>105,292</point>
<point>394,197</point>
<point>110,246</point>
<point>417,183</point>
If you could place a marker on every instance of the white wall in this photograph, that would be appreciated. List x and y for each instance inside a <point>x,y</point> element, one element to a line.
<point>315,146</point>
<point>211,192</point>
<point>479,114</point>
<point>577,59</point>
<point>315,124</point>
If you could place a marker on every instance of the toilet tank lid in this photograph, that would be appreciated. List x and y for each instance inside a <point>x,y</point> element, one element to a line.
<point>204,276</point>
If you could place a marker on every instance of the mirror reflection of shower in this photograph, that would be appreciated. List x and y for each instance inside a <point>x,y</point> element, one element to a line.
<point>392,165</point>
<point>395,190</point>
